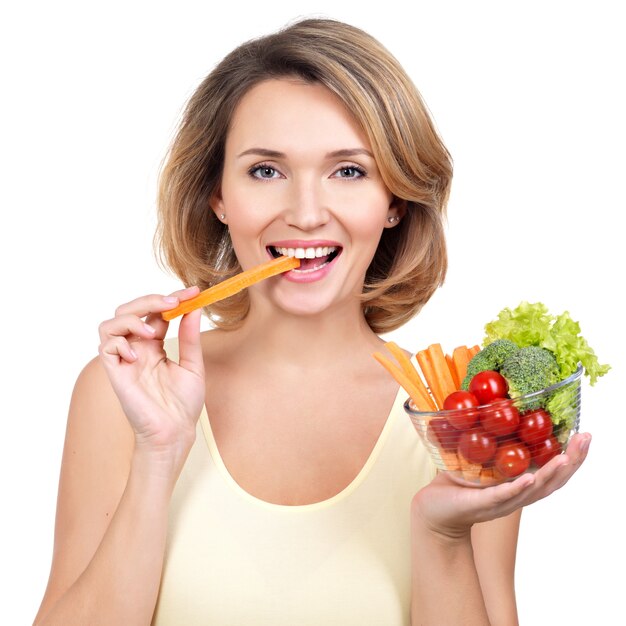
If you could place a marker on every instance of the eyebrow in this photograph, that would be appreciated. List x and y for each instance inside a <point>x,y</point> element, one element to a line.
<point>274,154</point>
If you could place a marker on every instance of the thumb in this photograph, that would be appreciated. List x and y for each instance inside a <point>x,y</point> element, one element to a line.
<point>189,348</point>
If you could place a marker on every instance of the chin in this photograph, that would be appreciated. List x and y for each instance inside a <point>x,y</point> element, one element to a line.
<point>311,304</point>
<point>303,308</point>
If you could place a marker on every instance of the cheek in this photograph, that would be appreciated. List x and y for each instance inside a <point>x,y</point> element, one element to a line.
<point>246,213</point>
<point>366,235</point>
<point>245,230</point>
<point>366,220</point>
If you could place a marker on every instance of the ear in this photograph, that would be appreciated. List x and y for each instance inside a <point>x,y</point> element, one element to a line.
<point>397,210</point>
<point>217,204</point>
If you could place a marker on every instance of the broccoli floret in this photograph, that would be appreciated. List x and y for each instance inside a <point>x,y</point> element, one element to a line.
<point>491,357</point>
<point>530,369</point>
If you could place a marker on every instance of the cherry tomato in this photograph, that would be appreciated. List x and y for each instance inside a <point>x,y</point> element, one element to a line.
<point>500,418</point>
<point>488,386</point>
<point>512,459</point>
<point>477,446</point>
<point>535,427</point>
<point>462,403</point>
<point>542,452</point>
<point>442,434</point>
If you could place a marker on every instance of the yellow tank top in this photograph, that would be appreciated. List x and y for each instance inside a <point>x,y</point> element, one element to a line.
<point>233,559</point>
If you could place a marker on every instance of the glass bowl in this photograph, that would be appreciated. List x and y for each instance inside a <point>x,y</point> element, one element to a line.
<point>500,441</point>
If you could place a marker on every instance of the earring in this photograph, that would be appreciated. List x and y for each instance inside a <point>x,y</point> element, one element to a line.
<point>393,219</point>
<point>222,216</point>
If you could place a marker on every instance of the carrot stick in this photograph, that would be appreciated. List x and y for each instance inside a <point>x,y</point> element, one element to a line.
<point>450,460</point>
<point>411,372</point>
<point>442,372</point>
<point>461,358</point>
<point>488,476</point>
<point>231,286</point>
<point>474,350</point>
<point>423,358</point>
<point>453,372</point>
<point>406,383</point>
<point>471,471</point>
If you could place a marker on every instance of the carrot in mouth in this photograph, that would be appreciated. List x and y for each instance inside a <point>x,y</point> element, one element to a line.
<point>231,286</point>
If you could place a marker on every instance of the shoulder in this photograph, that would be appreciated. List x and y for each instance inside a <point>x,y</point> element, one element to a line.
<point>95,411</point>
<point>99,440</point>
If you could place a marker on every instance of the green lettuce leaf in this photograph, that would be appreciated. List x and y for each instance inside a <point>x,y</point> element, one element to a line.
<point>532,325</point>
<point>572,348</point>
<point>527,325</point>
<point>563,408</point>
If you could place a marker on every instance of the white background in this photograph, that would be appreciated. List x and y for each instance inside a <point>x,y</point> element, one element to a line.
<point>528,97</point>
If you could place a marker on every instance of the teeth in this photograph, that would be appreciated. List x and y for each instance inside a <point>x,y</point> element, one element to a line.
<point>306,253</point>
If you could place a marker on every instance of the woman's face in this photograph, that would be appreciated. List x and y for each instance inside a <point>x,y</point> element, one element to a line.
<point>299,178</point>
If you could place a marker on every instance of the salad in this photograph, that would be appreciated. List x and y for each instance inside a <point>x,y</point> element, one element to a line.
<point>496,411</point>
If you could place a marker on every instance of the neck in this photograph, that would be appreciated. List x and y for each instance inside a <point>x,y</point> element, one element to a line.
<point>337,335</point>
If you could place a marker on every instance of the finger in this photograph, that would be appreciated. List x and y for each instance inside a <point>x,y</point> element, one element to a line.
<point>144,305</point>
<point>156,320</point>
<point>572,458</point>
<point>578,447</point>
<point>567,464</point>
<point>190,350</point>
<point>125,326</point>
<point>552,476</point>
<point>187,293</point>
<point>500,500</point>
<point>116,349</point>
<point>529,488</point>
<point>508,491</point>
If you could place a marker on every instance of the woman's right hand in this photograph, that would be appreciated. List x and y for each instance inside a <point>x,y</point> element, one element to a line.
<point>161,399</point>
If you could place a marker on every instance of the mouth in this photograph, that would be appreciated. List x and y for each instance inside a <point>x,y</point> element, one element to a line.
<point>311,259</point>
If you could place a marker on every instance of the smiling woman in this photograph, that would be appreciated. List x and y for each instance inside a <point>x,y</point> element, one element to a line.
<point>264,472</point>
<point>391,131</point>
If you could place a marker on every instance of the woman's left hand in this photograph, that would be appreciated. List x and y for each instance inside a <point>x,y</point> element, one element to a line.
<point>449,509</point>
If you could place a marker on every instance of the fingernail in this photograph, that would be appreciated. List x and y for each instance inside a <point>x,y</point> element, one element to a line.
<point>133,354</point>
<point>149,329</point>
<point>170,299</point>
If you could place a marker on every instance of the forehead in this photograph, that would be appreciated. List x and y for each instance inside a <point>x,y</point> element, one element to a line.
<point>292,113</point>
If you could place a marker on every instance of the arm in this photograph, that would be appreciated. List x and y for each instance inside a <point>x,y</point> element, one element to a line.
<point>126,442</point>
<point>446,587</point>
<point>455,582</point>
<point>495,545</point>
<point>483,563</point>
<point>104,519</point>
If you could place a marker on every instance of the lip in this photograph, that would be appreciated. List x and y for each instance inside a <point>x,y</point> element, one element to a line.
<point>304,243</point>
<point>295,276</point>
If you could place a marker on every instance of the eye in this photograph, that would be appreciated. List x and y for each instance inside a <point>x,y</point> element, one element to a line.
<point>264,171</point>
<point>350,171</point>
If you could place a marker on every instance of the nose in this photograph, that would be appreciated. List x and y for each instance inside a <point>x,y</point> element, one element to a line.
<point>307,207</point>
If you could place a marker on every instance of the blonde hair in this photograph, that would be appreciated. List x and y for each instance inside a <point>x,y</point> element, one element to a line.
<point>411,260</point>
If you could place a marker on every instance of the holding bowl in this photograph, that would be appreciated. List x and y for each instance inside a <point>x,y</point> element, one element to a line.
<point>493,443</point>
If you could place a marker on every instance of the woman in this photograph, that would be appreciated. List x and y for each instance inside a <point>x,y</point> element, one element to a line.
<point>264,472</point>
